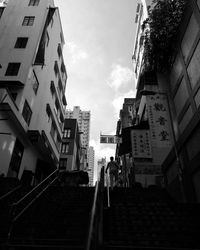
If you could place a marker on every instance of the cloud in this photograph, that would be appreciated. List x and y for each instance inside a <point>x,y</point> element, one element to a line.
<point>102,151</point>
<point>118,102</point>
<point>76,52</point>
<point>119,76</point>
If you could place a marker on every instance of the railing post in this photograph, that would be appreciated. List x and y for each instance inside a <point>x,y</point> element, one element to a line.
<point>101,201</point>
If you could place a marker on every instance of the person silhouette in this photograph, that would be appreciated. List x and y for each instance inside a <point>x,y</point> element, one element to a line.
<point>113,171</point>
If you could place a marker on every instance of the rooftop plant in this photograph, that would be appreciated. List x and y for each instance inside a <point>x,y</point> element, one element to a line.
<point>160,30</point>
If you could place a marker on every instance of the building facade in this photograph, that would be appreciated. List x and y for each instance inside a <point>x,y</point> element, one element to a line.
<point>178,92</point>
<point>32,87</point>
<point>71,147</point>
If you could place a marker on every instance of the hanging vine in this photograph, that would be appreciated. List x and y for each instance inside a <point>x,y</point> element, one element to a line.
<point>160,30</point>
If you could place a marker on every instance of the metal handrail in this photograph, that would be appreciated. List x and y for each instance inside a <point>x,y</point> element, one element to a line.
<point>98,191</point>
<point>14,205</point>
<point>89,240</point>
<point>9,192</point>
<point>32,190</point>
<point>33,200</point>
<point>108,189</point>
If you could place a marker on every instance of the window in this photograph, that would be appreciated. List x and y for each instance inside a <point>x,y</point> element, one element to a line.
<point>56,106</point>
<point>14,95</point>
<point>63,164</point>
<point>65,148</point>
<point>28,21</point>
<point>59,50</point>
<point>13,69</point>
<point>47,38</point>
<point>61,38</point>
<point>52,22</point>
<point>21,42</point>
<point>1,11</point>
<point>48,112</point>
<point>27,113</point>
<point>34,2</point>
<point>67,133</point>
<point>56,70</point>
<point>53,131</point>
<point>52,88</point>
<point>35,83</point>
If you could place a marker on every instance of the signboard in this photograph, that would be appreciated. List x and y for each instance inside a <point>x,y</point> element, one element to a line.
<point>141,143</point>
<point>113,139</point>
<point>157,107</point>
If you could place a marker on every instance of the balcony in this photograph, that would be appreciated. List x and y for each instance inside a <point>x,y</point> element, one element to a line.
<point>11,111</point>
<point>42,143</point>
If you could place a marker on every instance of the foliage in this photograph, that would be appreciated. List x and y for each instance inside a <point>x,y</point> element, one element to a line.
<point>160,30</point>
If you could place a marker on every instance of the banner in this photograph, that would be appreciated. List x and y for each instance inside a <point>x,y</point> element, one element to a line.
<point>159,120</point>
<point>113,139</point>
<point>141,143</point>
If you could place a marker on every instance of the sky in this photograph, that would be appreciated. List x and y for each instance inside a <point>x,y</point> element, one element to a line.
<point>99,39</point>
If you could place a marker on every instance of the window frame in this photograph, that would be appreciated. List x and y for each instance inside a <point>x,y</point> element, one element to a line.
<point>34,2</point>
<point>21,42</point>
<point>27,113</point>
<point>35,83</point>
<point>28,21</point>
<point>1,11</point>
<point>63,164</point>
<point>67,133</point>
<point>13,69</point>
<point>65,148</point>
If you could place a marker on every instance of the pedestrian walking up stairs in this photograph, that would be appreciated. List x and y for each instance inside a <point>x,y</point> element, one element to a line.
<point>56,217</point>
<point>146,218</point>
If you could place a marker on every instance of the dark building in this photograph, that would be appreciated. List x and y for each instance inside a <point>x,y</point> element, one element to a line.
<point>180,85</point>
<point>71,146</point>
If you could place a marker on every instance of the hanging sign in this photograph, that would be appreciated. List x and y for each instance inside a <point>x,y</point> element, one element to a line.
<point>113,139</point>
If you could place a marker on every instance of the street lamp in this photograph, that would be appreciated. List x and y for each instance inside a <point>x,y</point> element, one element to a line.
<point>180,168</point>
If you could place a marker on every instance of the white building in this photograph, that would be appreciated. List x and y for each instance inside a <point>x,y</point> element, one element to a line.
<point>83,118</point>
<point>33,80</point>
<point>141,15</point>
<point>91,155</point>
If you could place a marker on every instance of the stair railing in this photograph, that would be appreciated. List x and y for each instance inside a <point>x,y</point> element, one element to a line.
<point>108,190</point>
<point>18,208</point>
<point>95,232</point>
<point>9,193</point>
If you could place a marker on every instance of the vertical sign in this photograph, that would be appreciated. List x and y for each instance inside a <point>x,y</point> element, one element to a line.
<point>157,108</point>
<point>141,143</point>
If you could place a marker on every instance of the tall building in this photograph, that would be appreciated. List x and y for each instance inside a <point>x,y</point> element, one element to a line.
<point>83,118</point>
<point>32,87</point>
<point>91,155</point>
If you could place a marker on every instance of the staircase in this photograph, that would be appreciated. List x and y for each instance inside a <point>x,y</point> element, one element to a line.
<point>58,219</point>
<point>10,195</point>
<point>149,219</point>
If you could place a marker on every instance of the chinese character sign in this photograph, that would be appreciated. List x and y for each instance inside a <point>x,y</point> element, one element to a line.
<point>157,107</point>
<point>141,143</point>
<point>113,139</point>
